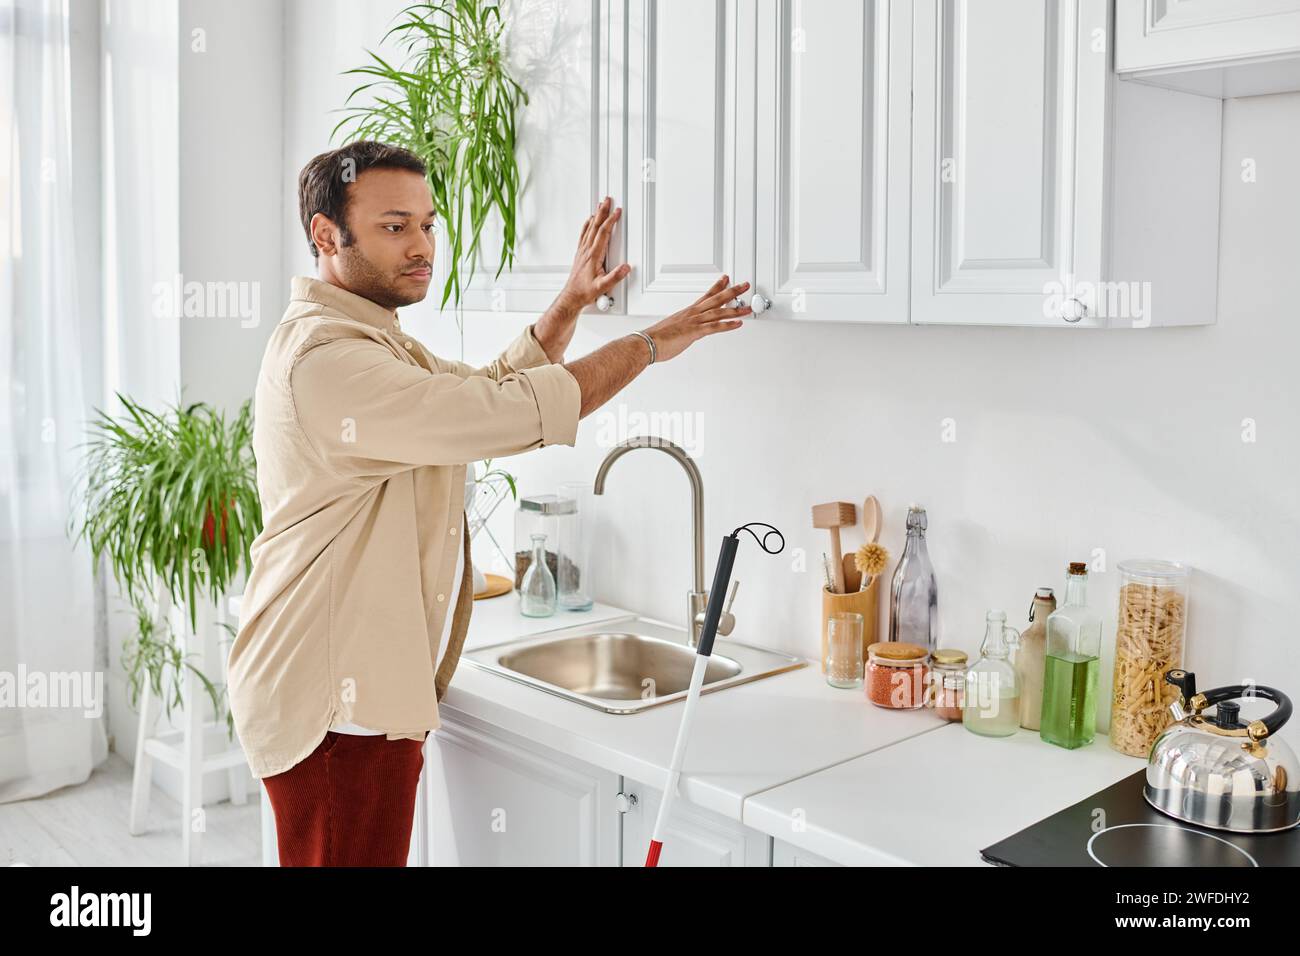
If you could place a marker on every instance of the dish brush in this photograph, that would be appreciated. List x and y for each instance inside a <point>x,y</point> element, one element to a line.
<point>870,559</point>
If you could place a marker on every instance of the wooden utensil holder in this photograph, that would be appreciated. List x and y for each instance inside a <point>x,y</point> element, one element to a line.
<point>862,602</point>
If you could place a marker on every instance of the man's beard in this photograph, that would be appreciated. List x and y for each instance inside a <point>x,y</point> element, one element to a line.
<point>365,279</point>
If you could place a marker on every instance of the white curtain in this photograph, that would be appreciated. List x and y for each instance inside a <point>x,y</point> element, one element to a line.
<point>51,696</point>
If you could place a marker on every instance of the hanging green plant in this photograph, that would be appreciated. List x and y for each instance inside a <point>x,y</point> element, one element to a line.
<point>453,103</point>
<point>170,499</point>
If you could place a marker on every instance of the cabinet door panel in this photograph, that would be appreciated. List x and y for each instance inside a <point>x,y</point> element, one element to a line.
<point>787,854</point>
<point>695,837</point>
<point>833,84</point>
<point>556,49</point>
<point>680,208</point>
<point>1009,128</point>
<point>493,802</point>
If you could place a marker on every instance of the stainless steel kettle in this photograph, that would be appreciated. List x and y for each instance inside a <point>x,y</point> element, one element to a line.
<point>1219,771</point>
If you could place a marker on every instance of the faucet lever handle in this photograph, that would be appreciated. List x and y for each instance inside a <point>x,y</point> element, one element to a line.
<point>727,620</point>
<point>731,596</point>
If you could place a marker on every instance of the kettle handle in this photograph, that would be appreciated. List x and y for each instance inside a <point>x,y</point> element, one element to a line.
<point>1274,721</point>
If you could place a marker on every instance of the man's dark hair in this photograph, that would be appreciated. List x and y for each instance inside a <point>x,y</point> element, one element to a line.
<point>323,182</point>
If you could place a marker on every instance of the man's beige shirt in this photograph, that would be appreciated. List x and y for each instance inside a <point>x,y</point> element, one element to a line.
<point>362,438</point>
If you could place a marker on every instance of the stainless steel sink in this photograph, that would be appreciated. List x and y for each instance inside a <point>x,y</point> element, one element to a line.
<point>626,667</point>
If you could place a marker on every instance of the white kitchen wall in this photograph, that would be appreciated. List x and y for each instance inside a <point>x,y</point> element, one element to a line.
<point>1070,444</point>
<point>192,123</point>
<point>230,138</point>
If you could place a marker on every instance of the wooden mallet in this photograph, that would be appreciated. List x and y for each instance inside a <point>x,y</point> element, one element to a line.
<point>832,516</point>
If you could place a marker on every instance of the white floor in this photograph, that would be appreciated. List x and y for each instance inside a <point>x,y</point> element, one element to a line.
<point>86,825</point>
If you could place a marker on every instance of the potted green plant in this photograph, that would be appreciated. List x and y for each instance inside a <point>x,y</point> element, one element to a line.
<point>170,500</point>
<point>453,103</point>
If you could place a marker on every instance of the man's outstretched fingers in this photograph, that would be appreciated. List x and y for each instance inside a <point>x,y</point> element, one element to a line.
<point>611,279</point>
<point>725,325</point>
<point>719,298</point>
<point>718,284</point>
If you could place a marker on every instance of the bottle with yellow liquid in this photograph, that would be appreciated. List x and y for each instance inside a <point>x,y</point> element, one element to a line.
<point>1069,715</point>
<point>992,695</point>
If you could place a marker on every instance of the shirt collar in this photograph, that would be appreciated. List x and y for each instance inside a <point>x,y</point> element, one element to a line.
<point>311,289</point>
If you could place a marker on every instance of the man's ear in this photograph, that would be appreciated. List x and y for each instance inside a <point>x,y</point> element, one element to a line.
<point>325,234</point>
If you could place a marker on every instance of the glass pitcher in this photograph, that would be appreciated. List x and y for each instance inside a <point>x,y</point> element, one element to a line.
<point>537,596</point>
<point>992,702</point>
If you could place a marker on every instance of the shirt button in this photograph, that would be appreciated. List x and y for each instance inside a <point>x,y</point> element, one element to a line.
<point>441,598</point>
<point>452,531</point>
<point>408,346</point>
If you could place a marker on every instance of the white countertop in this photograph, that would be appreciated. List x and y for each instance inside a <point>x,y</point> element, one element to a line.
<point>746,739</point>
<point>935,800</point>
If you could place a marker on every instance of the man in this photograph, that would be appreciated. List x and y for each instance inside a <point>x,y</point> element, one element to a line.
<point>360,590</point>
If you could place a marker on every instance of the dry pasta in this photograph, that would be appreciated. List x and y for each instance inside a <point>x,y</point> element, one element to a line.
<point>1148,644</point>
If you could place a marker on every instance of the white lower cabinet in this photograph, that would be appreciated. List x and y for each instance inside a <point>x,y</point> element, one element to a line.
<point>787,854</point>
<point>493,800</point>
<point>694,837</point>
<point>489,798</point>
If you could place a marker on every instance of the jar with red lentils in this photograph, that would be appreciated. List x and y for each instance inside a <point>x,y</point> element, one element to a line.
<point>897,674</point>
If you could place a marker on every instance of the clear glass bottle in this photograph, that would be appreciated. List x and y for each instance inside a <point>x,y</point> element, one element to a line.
<point>913,594</point>
<point>991,705</point>
<point>537,597</point>
<point>1069,716</point>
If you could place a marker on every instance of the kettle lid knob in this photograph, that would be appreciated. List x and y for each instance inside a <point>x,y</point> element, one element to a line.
<point>1226,713</point>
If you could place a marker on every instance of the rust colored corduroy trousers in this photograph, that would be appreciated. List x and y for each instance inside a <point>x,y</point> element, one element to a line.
<point>350,802</point>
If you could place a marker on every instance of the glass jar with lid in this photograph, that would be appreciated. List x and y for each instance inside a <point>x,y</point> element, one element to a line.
<point>557,518</point>
<point>947,683</point>
<point>573,549</point>
<point>897,673</point>
<point>1149,638</point>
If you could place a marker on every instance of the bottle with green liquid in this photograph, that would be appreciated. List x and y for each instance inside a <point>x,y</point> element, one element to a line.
<point>1069,716</point>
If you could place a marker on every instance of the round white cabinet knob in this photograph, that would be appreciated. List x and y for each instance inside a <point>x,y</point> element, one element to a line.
<point>1073,310</point>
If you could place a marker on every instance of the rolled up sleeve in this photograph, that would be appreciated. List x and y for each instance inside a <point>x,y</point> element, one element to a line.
<point>524,352</point>
<point>368,413</point>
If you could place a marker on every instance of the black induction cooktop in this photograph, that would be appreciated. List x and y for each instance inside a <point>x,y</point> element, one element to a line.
<point>1117,827</point>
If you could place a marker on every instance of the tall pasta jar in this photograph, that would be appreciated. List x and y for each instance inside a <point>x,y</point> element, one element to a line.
<point>1149,637</point>
<point>897,674</point>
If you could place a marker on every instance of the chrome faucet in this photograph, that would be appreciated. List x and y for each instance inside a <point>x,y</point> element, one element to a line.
<point>697,597</point>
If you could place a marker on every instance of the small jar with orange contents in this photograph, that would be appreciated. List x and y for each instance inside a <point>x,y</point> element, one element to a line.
<point>897,674</point>
<point>948,683</point>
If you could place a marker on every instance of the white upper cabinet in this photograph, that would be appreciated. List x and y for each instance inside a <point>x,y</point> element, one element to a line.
<point>556,49</point>
<point>831,79</point>
<point>679,116</point>
<point>1044,193</point>
<point>1216,48</point>
<point>768,141</point>
<point>933,161</point>
<point>1008,116</point>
